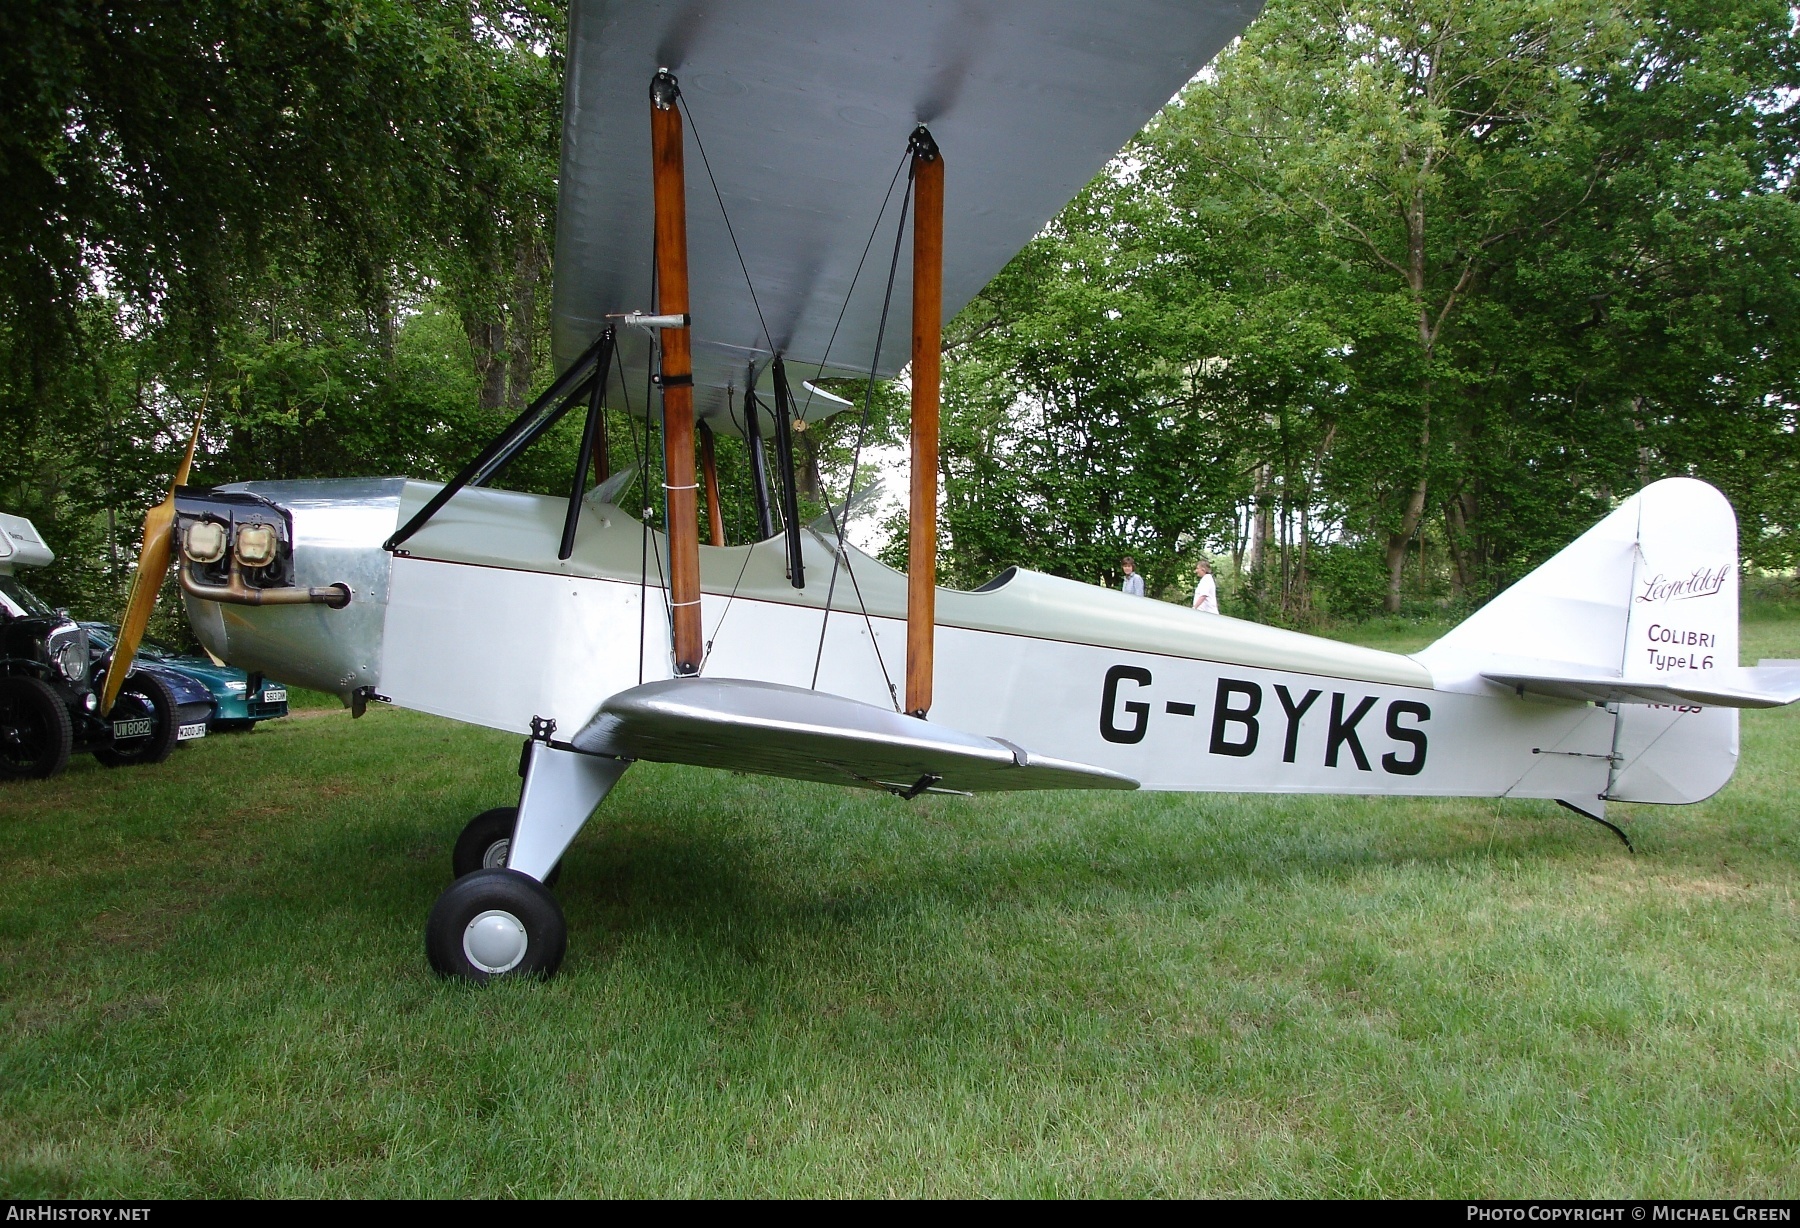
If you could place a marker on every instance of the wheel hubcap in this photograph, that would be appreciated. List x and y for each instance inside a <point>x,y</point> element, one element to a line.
<point>495,857</point>
<point>495,941</point>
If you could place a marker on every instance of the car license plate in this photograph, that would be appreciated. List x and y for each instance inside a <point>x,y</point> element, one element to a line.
<point>274,695</point>
<point>137,727</point>
<point>196,730</point>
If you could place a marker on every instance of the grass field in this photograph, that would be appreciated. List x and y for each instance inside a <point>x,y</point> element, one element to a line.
<point>212,982</point>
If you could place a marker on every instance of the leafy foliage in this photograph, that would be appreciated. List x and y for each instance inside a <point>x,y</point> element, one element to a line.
<point>1393,301</point>
<point>1410,282</point>
<point>325,221</point>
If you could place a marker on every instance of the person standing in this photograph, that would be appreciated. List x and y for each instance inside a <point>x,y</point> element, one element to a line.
<point>1134,583</point>
<point>1206,590</point>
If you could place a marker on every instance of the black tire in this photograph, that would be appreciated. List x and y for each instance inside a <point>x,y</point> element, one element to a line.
<point>35,732</point>
<point>142,695</point>
<point>484,843</point>
<point>521,931</point>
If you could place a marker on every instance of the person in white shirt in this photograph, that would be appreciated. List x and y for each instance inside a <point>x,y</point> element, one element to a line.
<point>1134,583</point>
<point>1206,591</point>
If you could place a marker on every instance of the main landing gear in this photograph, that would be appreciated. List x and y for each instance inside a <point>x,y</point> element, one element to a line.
<point>487,841</point>
<point>496,922</point>
<point>499,918</point>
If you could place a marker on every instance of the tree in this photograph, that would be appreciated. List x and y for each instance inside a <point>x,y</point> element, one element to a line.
<point>273,208</point>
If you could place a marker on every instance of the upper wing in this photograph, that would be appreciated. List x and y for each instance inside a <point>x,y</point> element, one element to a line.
<point>803,108</point>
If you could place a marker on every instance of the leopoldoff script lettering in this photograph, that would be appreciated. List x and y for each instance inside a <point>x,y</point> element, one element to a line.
<point>1701,582</point>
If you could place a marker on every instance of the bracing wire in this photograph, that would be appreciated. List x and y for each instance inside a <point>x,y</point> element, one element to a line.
<point>839,556</point>
<point>873,231</point>
<point>729,230</point>
<point>642,460</point>
<point>840,552</point>
<point>662,432</point>
<point>750,285</point>
<point>730,412</point>
<point>868,245</point>
<point>644,484</point>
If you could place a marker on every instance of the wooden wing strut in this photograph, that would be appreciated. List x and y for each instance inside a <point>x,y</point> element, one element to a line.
<point>709,465</point>
<point>677,371</point>
<point>927,342</point>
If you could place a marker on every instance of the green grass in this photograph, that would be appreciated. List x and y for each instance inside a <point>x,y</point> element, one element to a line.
<point>212,983</point>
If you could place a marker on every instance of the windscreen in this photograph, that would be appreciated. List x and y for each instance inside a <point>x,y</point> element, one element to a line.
<point>21,599</point>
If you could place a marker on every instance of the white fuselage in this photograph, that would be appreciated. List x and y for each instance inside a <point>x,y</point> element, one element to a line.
<point>482,624</point>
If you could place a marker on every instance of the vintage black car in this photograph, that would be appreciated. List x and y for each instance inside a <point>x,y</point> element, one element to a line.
<point>49,683</point>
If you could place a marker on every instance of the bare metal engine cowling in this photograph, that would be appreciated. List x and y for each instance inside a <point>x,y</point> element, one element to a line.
<point>336,530</point>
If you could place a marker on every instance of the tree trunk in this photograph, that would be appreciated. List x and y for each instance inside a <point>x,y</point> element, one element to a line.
<point>1643,449</point>
<point>1262,528</point>
<point>1415,506</point>
<point>521,340</point>
<point>806,461</point>
<point>1397,542</point>
<point>487,341</point>
<point>1458,512</point>
<point>1302,578</point>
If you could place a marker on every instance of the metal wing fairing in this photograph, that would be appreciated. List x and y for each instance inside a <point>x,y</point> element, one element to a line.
<point>804,109</point>
<point>773,730</point>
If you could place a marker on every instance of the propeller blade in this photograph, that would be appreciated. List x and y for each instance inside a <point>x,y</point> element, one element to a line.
<point>154,552</point>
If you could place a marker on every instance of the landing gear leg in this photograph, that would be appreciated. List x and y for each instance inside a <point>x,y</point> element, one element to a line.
<point>562,788</point>
<point>486,843</point>
<point>502,920</point>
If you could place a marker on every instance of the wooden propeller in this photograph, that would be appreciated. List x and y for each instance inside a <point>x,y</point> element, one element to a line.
<point>154,553</point>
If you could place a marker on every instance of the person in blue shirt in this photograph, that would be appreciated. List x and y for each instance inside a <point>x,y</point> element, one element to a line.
<point>1134,583</point>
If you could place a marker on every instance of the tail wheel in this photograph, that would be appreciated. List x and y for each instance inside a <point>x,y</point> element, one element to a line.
<point>35,733</point>
<point>495,923</point>
<point>486,843</point>
<point>143,723</point>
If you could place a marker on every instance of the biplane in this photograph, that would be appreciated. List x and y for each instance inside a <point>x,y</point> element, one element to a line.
<point>862,170</point>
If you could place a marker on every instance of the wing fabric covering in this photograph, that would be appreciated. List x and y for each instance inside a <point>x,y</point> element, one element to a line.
<point>804,109</point>
<point>775,730</point>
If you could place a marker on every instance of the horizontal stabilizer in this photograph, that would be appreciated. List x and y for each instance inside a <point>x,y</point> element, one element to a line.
<point>773,730</point>
<point>1761,687</point>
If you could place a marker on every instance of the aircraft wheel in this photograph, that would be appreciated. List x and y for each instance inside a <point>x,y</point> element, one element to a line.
<point>35,733</point>
<point>144,696</point>
<point>495,923</point>
<point>486,842</point>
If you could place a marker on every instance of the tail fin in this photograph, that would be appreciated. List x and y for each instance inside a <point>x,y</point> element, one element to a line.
<point>1640,613</point>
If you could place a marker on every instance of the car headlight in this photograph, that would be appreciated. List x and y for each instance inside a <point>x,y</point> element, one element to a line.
<point>235,686</point>
<point>256,544</point>
<point>69,650</point>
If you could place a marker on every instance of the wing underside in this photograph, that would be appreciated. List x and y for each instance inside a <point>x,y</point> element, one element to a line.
<point>803,110</point>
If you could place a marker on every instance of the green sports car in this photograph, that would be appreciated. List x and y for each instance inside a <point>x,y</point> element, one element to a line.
<point>239,701</point>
